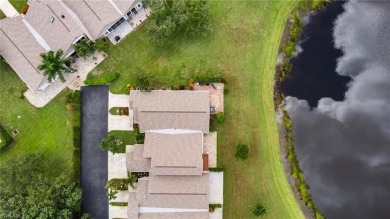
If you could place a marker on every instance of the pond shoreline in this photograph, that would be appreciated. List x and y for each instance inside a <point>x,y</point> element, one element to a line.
<point>286,141</point>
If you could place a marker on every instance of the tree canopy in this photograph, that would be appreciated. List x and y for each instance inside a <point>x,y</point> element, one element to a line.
<point>53,64</point>
<point>169,18</point>
<point>26,192</point>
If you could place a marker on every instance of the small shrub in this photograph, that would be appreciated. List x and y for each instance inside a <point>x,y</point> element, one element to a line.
<point>118,203</point>
<point>101,45</point>
<point>214,206</point>
<point>208,79</point>
<point>259,210</point>
<point>145,81</point>
<point>220,117</point>
<point>25,9</point>
<point>140,138</point>
<point>110,144</point>
<point>182,87</point>
<point>242,152</point>
<point>84,48</point>
<point>6,139</point>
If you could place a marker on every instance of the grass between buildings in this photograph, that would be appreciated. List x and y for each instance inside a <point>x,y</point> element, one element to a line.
<point>19,4</point>
<point>47,130</point>
<point>243,49</point>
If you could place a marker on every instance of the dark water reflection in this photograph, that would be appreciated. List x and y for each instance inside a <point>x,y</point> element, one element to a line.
<point>343,142</point>
<point>313,74</point>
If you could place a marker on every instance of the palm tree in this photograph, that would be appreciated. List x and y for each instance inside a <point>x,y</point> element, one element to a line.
<point>53,64</point>
<point>112,194</point>
<point>131,179</point>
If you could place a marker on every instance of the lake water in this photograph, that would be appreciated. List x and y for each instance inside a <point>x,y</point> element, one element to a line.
<point>338,97</point>
<point>313,74</point>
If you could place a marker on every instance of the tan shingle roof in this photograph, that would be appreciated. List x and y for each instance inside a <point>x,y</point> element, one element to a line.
<point>174,154</point>
<point>20,49</point>
<point>125,5</point>
<point>135,161</point>
<point>96,16</point>
<point>171,109</point>
<point>194,185</point>
<point>62,32</point>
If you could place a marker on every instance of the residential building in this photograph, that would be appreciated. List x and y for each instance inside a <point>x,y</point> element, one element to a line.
<point>177,181</point>
<point>164,109</point>
<point>57,24</point>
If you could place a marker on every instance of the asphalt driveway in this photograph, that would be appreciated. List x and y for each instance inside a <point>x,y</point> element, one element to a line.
<point>94,117</point>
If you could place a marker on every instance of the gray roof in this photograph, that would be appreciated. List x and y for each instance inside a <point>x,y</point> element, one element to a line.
<point>20,49</point>
<point>174,154</point>
<point>164,109</point>
<point>59,34</point>
<point>135,160</point>
<point>96,16</point>
<point>179,185</point>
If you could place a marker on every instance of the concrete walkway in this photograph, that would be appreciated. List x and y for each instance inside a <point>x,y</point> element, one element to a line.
<point>8,9</point>
<point>120,123</point>
<point>116,122</point>
<point>117,165</point>
<point>119,211</point>
<point>118,100</point>
<point>73,81</point>
<point>216,193</point>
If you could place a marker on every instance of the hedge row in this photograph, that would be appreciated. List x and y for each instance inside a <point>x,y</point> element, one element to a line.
<point>76,122</point>
<point>5,138</point>
<point>208,79</point>
<point>105,79</point>
<point>118,203</point>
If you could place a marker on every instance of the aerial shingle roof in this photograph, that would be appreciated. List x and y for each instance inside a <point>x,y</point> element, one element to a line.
<point>164,109</point>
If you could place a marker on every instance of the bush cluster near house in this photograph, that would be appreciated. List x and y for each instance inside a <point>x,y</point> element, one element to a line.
<point>169,18</point>
<point>86,48</point>
<point>110,143</point>
<point>145,81</point>
<point>27,192</point>
<point>242,152</point>
<point>212,207</point>
<point>5,139</point>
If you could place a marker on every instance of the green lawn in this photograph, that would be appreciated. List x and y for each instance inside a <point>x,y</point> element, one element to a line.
<point>18,4</point>
<point>243,48</point>
<point>47,130</point>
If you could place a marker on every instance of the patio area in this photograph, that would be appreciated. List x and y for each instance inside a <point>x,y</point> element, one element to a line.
<point>216,95</point>
<point>120,32</point>
<point>137,19</point>
<point>73,81</point>
<point>210,147</point>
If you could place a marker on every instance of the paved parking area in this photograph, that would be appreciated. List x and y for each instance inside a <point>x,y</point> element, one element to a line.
<point>93,165</point>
